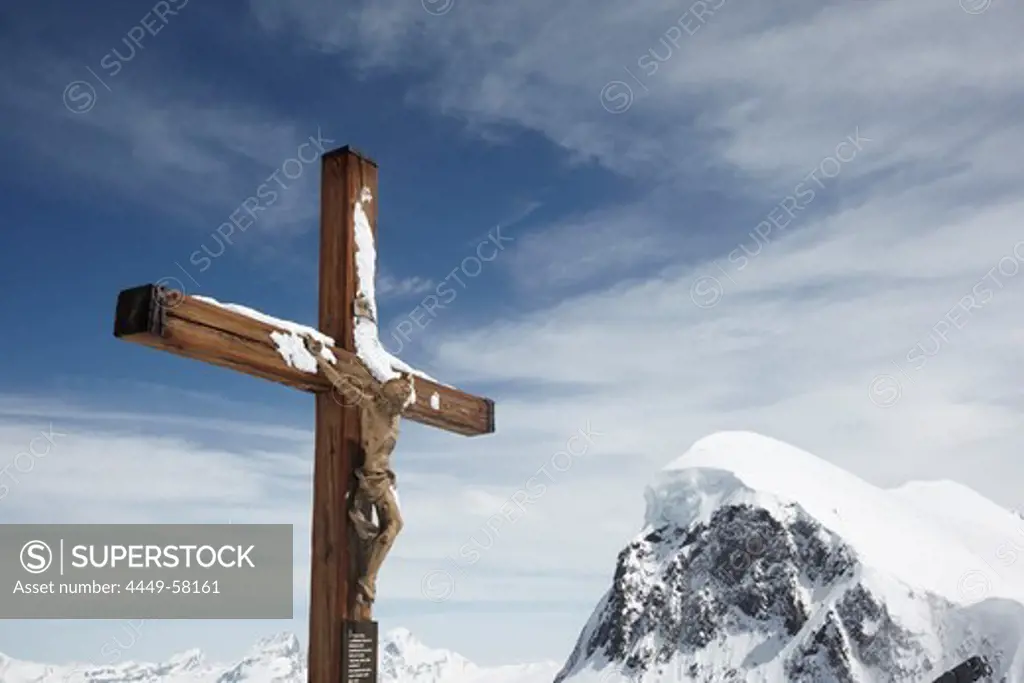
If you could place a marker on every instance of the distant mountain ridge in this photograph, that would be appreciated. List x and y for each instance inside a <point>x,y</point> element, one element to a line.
<point>281,659</point>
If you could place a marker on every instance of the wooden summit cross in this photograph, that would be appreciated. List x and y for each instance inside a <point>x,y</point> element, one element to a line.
<point>255,344</point>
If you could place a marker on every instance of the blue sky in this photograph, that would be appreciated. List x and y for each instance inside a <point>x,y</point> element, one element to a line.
<point>721,217</point>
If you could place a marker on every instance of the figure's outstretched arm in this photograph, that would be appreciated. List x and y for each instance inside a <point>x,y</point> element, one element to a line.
<point>344,383</point>
<point>399,392</point>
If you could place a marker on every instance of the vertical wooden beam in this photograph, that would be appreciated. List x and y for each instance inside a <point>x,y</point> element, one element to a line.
<point>344,174</point>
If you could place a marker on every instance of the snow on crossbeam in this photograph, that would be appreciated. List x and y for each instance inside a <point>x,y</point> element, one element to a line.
<point>252,342</point>
<point>289,339</point>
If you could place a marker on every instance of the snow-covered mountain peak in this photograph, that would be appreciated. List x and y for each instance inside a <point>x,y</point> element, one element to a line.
<point>400,639</point>
<point>729,468</point>
<point>404,657</point>
<point>282,644</point>
<point>900,532</point>
<point>760,562</point>
<point>188,660</point>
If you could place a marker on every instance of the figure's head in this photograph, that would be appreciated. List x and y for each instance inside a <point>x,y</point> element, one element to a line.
<point>398,391</point>
<point>314,346</point>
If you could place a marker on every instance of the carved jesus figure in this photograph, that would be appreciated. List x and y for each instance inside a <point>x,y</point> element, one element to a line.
<point>380,409</point>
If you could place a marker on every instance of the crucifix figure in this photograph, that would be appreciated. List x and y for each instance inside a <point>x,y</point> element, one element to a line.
<point>380,409</point>
<point>361,392</point>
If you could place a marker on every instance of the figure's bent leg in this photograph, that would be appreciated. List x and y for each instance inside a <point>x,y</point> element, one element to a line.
<point>391,525</point>
<point>374,479</point>
<point>373,475</point>
<point>364,527</point>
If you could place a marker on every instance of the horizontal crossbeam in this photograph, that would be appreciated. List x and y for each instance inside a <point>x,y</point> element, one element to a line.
<point>190,327</point>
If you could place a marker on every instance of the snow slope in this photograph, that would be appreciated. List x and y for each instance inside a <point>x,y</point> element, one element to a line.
<point>761,562</point>
<point>280,659</point>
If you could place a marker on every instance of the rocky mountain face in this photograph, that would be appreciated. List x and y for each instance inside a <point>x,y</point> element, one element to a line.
<point>759,562</point>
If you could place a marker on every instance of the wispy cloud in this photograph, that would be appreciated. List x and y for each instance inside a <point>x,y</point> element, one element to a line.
<point>748,102</point>
<point>390,286</point>
<point>739,111</point>
<point>162,147</point>
<point>743,108</point>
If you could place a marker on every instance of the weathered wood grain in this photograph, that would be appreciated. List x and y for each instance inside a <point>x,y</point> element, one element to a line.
<point>195,329</point>
<point>338,452</point>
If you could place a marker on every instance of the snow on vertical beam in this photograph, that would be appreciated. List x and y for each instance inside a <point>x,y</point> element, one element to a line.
<point>381,364</point>
<point>290,337</point>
